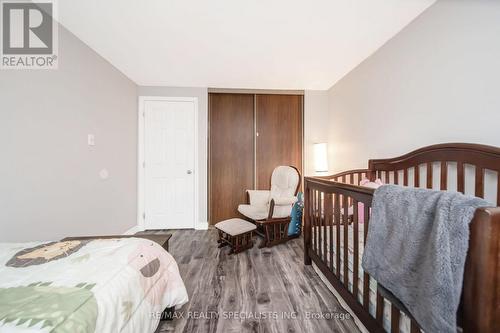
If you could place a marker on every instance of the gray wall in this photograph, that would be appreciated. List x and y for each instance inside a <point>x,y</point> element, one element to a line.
<point>202,95</point>
<point>436,81</point>
<point>316,130</point>
<point>50,185</point>
<point>316,125</point>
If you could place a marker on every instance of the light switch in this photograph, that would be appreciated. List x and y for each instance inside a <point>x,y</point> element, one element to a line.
<point>91,140</point>
<point>104,174</point>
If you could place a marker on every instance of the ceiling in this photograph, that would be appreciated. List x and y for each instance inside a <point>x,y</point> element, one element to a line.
<point>267,44</point>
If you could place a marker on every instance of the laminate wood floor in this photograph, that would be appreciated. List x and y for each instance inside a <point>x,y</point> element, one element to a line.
<point>270,290</point>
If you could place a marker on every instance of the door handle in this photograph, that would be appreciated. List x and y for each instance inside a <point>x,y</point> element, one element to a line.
<point>189,172</point>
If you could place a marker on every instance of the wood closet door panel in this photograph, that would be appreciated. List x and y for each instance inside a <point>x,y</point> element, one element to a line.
<point>279,124</point>
<point>231,153</point>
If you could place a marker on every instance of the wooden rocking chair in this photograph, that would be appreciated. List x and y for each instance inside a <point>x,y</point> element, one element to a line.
<point>270,210</point>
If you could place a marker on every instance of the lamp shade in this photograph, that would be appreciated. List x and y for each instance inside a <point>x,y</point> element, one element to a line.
<point>320,157</point>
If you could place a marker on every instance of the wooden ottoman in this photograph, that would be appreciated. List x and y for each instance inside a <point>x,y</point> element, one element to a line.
<point>236,233</point>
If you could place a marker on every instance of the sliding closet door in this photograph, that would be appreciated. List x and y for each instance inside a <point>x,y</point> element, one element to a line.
<point>231,153</point>
<point>279,140</point>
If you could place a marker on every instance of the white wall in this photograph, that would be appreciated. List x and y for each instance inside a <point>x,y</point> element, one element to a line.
<point>436,81</point>
<point>202,95</point>
<point>50,185</point>
<point>316,125</point>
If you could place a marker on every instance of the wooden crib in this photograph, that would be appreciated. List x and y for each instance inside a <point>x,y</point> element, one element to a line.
<point>331,210</point>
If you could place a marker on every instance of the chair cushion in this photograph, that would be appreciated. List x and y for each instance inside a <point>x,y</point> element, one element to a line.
<point>235,226</point>
<point>254,212</point>
<point>284,201</point>
<point>282,211</point>
<point>258,197</point>
<point>284,181</point>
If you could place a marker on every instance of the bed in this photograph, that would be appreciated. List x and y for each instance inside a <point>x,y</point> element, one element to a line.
<point>336,219</point>
<point>91,285</point>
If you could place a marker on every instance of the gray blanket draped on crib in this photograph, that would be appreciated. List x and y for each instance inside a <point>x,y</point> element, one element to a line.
<point>416,247</point>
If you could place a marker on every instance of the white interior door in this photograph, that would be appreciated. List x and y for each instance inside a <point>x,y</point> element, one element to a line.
<point>169,138</point>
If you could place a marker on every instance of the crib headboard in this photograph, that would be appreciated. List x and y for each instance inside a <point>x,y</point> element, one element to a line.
<point>463,167</point>
<point>472,169</point>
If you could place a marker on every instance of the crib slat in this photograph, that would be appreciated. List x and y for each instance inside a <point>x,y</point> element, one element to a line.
<point>346,241</point>
<point>416,177</point>
<point>444,176</point>
<point>396,177</point>
<point>312,217</point>
<point>366,277</point>
<point>498,188</point>
<point>380,308</point>
<point>343,179</point>
<point>429,175</point>
<point>337,222</point>
<point>405,177</point>
<point>360,176</point>
<point>351,181</point>
<point>387,179</point>
<point>313,220</point>
<point>356,245</point>
<point>414,327</point>
<point>330,247</point>
<point>366,222</point>
<point>328,218</point>
<point>320,224</point>
<point>317,217</point>
<point>366,291</point>
<point>460,177</point>
<point>394,319</point>
<point>479,182</point>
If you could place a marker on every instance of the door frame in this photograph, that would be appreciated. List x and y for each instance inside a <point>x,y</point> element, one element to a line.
<point>141,155</point>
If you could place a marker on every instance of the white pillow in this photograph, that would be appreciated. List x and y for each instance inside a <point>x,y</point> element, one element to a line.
<point>367,183</point>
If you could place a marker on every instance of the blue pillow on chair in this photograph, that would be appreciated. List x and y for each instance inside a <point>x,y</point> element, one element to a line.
<point>295,226</point>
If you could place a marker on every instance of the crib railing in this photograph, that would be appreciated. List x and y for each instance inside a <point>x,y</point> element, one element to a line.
<point>327,209</point>
<point>333,223</point>
<point>352,177</point>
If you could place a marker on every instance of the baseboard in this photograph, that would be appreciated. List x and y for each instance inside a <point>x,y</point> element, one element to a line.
<point>135,229</point>
<point>132,230</point>
<point>201,226</point>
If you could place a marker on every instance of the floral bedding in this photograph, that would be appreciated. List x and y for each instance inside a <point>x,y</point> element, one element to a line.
<point>102,285</point>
